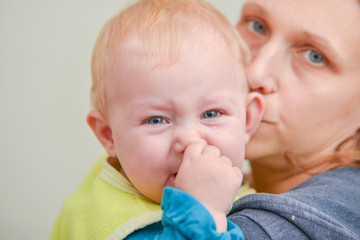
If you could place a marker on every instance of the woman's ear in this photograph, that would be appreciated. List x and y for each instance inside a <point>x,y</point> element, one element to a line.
<point>255,106</point>
<point>102,131</point>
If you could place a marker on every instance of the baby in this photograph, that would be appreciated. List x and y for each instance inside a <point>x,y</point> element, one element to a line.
<point>169,88</point>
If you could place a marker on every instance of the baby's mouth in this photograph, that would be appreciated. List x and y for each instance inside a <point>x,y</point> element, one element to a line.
<point>172,180</point>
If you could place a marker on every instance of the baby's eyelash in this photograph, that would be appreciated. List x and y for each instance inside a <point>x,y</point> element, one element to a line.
<point>213,113</point>
<point>155,120</point>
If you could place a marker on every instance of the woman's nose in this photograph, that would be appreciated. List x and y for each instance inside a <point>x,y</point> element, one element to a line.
<point>262,69</point>
<point>185,136</point>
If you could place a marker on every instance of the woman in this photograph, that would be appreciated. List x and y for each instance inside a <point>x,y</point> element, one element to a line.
<point>306,63</point>
<point>305,156</point>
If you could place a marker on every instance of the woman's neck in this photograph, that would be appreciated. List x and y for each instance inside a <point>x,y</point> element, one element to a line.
<point>283,177</point>
<point>275,180</point>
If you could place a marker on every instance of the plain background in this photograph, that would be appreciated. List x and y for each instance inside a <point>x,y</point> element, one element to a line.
<point>46,147</point>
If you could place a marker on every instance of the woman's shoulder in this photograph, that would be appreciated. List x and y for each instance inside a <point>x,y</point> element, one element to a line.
<point>347,176</point>
<point>326,205</point>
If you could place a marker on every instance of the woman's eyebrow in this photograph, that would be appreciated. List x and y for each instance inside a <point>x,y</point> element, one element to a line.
<point>253,7</point>
<point>317,39</point>
<point>322,43</point>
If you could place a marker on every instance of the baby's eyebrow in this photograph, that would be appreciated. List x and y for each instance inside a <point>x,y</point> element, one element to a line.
<point>217,99</point>
<point>143,104</point>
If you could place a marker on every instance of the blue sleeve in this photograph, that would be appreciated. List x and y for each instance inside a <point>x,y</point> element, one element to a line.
<point>184,217</point>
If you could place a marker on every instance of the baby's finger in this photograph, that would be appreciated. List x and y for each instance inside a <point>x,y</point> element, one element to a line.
<point>195,148</point>
<point>212,150</point>
<point>226,160</point>
<point>238,174</point>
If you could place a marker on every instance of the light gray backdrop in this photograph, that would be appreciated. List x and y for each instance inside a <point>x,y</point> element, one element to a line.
<point>46,147</point>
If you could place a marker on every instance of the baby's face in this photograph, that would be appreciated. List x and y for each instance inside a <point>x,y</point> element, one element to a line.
<point>154,114</point>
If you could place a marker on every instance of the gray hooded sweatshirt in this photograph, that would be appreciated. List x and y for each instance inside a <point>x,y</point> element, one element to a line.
<point>327,206</point>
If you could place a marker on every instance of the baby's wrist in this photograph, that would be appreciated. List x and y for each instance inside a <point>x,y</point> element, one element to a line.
<point>219,218</point>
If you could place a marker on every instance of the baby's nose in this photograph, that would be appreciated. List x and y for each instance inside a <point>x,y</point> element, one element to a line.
<point>185,136</point>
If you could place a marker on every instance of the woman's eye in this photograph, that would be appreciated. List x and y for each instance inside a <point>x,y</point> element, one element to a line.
<point>257,27</point>
<point>211,114</point>
<point>155,120</point>
<point>314,57</point>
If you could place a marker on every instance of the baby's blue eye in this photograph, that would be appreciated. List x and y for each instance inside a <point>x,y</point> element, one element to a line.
<point>315,57</point>
<point>257,27</point>
<point>211,114</point>
<point>155,120</point>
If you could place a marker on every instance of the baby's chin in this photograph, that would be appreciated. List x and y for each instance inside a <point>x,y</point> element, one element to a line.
<point>156,198</point>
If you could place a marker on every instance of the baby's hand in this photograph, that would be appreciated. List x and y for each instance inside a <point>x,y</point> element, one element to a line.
<point>210,178</point>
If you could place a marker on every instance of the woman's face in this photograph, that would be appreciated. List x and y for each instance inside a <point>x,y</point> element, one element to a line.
<point>306,62</point>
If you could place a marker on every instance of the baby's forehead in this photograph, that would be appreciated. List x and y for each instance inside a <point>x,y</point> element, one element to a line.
<point>134,65</point>
<point>200,47</point>
<point>169,50</point>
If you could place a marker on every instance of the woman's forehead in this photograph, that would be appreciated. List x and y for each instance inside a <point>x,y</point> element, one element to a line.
<point>320,20</point>
<point>309,10</point>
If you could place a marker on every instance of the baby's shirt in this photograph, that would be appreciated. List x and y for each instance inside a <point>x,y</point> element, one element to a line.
<point>106,206</point>
<point>184,217</point>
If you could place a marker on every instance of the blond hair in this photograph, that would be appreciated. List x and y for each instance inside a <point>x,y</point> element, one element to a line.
<point>160,27</point>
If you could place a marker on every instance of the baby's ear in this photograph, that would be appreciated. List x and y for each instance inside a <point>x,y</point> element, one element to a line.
<point>102,131</point>
<point>255,107</point>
